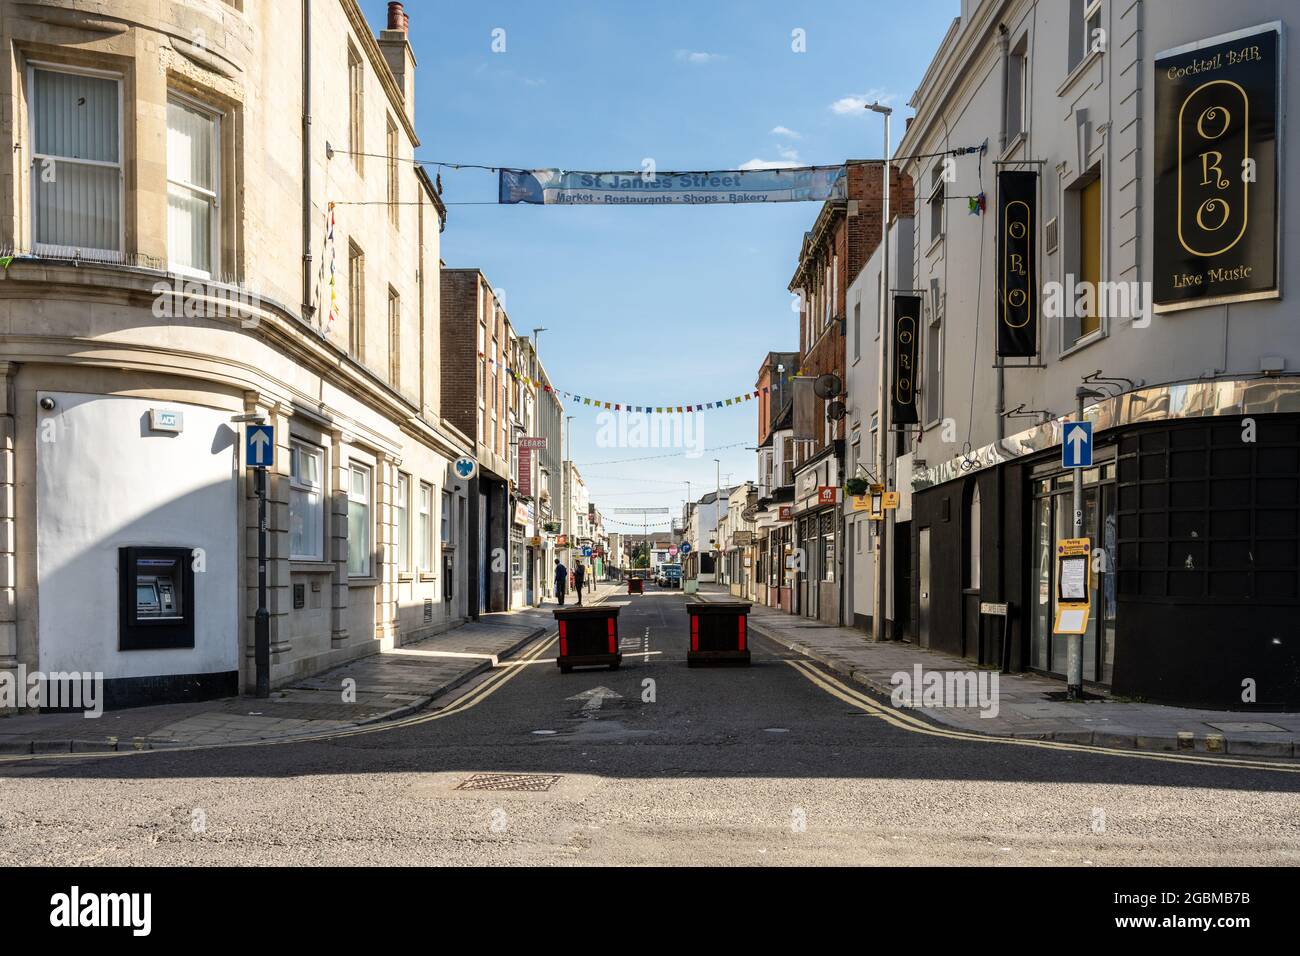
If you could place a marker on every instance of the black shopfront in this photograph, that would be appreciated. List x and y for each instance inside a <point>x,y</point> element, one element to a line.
<point>1195,536</point>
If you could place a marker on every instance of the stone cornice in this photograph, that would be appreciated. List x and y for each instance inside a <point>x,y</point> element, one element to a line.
<point>275,324</point>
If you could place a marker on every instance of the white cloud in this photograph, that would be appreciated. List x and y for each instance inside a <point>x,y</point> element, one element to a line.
<point>757,163</point>
<point>857,102</point>
<point>786,131</point>
<point>694,56</point>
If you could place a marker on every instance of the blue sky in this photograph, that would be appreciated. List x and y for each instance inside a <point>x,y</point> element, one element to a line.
<point>653,304</point>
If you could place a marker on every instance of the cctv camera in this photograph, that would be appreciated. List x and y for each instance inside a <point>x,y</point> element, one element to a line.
<point>47,403</point>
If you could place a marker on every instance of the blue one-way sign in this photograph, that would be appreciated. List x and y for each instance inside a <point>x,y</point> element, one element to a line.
<point>259,446</point>
<point>1076,445</point>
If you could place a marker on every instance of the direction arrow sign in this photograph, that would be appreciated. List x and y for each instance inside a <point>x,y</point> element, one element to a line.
<point>595,697</point>
<point>685,548</point>
<point>259,446</point>
<point>1076,445</point>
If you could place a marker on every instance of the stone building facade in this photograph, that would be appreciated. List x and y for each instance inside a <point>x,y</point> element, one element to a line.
<point>162,161</point>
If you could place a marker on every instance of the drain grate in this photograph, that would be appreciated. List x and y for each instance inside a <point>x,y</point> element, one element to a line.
<point>519,782</point>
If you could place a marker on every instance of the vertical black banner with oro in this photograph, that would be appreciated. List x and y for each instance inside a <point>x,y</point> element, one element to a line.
<point>1017,302</point>
<point>1216,215</point>
<point>902,383</point>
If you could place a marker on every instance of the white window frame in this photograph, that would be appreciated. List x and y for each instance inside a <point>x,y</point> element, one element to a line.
<point>1091,8</point>
<point>369,471</point>
<point>446,519</point>
<point>47,249</point>
<point>296,449</point>
<point>937,187</point>
<point>424,511</point>
<point>933,377</point>
<point>402,521</point>
<point>1016,105</point>
<point>214,197</point>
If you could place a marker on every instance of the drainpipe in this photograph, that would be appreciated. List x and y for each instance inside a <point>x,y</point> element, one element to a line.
<point>1000,403</point>
<point>1004,42</point>
<point>307,309</point>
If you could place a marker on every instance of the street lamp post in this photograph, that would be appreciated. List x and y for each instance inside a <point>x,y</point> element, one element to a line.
<point>882,409</point>
<point>568,492</point>
<point>718,519</point>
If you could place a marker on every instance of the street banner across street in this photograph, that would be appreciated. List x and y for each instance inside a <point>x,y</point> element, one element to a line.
<point>557,187</point>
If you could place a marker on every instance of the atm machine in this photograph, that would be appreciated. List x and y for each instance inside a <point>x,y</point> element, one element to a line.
<point>156,598</point>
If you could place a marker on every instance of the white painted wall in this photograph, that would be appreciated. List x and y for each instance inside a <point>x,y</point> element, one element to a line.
<point>106,481</point>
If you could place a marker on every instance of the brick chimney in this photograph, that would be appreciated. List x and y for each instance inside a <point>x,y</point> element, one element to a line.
<point>396,47</point>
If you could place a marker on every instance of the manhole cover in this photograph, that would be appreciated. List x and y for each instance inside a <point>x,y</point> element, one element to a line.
<point>525,782</point>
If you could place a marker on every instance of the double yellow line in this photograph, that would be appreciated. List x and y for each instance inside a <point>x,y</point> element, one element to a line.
<point>905,721</point>
<point>476,695</point>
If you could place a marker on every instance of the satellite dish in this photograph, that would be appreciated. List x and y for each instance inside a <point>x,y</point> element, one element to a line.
<point>836,410</point>
<point>827,386</point>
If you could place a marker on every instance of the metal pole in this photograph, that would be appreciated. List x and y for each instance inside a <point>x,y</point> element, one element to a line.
<point>568,492</point>
<point>262,619</point>
<point>717,520</point>
<point>882,408</point>
<point>1074,686</point>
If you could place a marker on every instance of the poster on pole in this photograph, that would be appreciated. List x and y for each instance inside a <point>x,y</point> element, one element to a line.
<point>556,187</point>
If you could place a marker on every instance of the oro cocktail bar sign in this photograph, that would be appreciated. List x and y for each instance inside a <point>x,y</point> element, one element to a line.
<point>1216,166</point>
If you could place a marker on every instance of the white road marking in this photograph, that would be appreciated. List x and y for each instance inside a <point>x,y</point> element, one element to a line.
<point>595,697</point>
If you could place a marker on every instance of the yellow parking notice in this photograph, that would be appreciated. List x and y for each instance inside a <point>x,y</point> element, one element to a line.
<point>1073,585</point>
<point>1071,620</point>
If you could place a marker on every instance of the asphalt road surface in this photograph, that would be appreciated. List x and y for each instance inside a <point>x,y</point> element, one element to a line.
<point>777,763</point>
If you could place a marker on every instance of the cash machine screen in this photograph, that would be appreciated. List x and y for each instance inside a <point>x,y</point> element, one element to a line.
<point>157,588</point>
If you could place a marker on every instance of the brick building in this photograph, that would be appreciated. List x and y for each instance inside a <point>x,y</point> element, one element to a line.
<point>834,251</point>
<point>478,346</point>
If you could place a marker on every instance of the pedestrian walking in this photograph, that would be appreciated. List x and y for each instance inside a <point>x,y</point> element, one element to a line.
<point>561,581</point>
<point>579,576</point>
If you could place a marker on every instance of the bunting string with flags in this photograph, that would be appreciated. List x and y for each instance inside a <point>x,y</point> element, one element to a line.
<point>600,403</point>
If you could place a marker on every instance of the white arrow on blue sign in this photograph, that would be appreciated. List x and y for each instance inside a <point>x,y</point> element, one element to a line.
<point>685,547</point>
<point>259,446</point>
<point>1076,445</point>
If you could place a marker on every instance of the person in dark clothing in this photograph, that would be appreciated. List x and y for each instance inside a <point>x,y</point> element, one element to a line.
<point>579,576</point>
<point>561,580</point>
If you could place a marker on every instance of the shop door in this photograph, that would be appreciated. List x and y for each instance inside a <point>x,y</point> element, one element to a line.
<point>530,571</point>
<point>1054,520</point>
<point>923,571</point>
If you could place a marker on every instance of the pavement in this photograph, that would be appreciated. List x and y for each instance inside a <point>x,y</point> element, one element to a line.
<point>1026,708</point>
<point>385,686</point>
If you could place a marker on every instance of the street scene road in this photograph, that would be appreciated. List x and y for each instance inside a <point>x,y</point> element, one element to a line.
<point>571,436</point>
<point>776,763</point>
